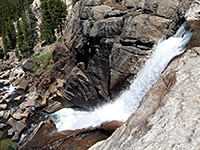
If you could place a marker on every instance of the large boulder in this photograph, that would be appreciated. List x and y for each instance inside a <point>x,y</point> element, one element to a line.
<point>144,28</point>
<point>28,65</point>
<point>110,126</point>
<point>45,136</point>
<point>17,127</point>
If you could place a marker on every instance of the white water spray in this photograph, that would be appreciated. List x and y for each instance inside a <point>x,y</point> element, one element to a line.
<point>10,89</point>
<point>129,100</point>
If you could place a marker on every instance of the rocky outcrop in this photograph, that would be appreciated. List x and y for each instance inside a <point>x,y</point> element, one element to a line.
<point>168,116</point>
<point>45,136</point>
<point>19,109</point>
<point>104,46</point>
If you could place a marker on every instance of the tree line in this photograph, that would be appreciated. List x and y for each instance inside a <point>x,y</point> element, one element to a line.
<point>18,25</point>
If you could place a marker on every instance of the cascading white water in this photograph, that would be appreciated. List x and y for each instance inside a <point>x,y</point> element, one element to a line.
<point>10,89</point>
<point>129,100</point>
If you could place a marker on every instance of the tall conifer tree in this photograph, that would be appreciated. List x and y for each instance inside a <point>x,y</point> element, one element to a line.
<point>10,11</point>
<point>27,34</point>
<point>20,39</point>
<point>53,13</point>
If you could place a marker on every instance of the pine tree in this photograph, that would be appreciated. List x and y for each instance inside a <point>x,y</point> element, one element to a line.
<point>32,26</point>
<point>27,34</point>
<point>8,35</point>
<point>46,27</point>
<point>20,39</point>
<point>60,12</point>
<point>11,34</point>
<point>10,11</point>
<point>53,13</point>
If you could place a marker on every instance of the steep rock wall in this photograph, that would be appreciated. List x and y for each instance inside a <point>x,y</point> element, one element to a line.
<point>168,116</point>
<point>106,43</point>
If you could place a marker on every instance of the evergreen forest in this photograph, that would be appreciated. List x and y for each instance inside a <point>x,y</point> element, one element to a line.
<point>19,26</point>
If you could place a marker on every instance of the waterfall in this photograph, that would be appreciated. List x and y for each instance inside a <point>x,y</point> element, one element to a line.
<point>128,102</point>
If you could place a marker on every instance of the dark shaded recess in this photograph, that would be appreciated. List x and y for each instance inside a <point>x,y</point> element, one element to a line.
<point>146,11</point>
<point>1,55</point>
<point>107,46</point>
<point>34,119</point>
<point>127,43</point>
<point>149,45</point>
<point>87,51</point>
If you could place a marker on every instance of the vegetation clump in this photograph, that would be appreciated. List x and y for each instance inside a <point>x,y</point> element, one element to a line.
<point>43,60</point>
<point>10,12</point>
<point>53,15</point>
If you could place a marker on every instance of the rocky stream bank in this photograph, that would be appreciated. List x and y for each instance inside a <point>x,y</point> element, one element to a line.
<point>105,44</point>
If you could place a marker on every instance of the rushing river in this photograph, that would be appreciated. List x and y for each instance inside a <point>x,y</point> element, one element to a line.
<point>127,103</point>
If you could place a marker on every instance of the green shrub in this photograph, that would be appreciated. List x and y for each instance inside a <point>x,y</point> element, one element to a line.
<point>60,39</point>
<point>91,23</point>
<point>43,59</point>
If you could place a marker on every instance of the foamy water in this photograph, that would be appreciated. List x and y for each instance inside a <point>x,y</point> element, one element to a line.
<point>128,102</point>
<point>10,89</point>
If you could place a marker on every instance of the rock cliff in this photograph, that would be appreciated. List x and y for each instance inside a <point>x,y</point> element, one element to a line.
<point>168,116</point>
<point>105,44</point>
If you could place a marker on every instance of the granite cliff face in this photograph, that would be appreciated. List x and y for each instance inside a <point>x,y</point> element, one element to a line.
<point>106,43</point>
<point>168,116</point>
<point>104,46</point>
